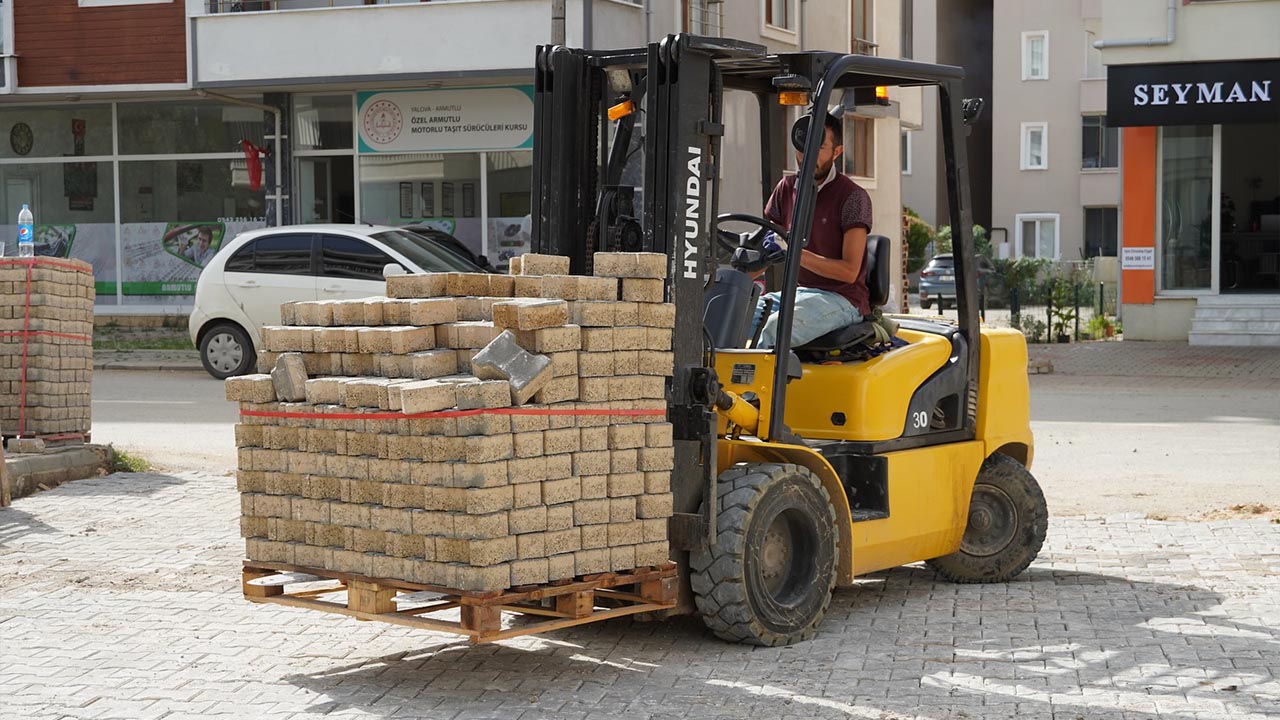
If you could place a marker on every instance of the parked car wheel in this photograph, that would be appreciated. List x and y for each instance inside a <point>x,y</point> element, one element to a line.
<point>226,351</point>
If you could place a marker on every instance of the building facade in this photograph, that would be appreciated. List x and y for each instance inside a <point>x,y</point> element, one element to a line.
<point>1056,159</point>
<point>1196,87</point>
<point>210,117</point>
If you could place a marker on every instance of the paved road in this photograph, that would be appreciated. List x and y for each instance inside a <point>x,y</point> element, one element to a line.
<point>119,598</point>
<point>177,420</point>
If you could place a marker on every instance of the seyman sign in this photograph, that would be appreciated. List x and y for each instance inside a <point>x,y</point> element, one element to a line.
<point>1194,93</point>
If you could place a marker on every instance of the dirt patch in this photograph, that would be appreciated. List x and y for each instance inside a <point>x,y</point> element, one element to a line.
<point>1244,511</point>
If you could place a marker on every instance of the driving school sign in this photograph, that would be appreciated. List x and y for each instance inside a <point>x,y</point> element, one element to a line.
<point>454,120</point>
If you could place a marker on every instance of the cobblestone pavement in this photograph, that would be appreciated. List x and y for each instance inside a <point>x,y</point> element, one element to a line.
<point>1136,358</point>
<point>119,598</point>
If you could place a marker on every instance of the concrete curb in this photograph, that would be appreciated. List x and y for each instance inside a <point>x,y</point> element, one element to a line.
<point>27,474</point>
<point>144,365</point>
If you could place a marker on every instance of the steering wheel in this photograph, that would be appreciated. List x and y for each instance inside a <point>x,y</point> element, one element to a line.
<point>731,241</point>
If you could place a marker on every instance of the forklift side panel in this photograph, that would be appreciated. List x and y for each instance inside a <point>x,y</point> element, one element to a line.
<point>929,490</point>
<point>1004,401</point>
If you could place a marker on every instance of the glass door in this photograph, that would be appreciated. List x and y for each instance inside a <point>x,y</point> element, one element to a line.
<point>1249,208</point>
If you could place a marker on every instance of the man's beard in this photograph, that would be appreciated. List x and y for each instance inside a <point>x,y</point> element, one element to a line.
<point>823,170</point>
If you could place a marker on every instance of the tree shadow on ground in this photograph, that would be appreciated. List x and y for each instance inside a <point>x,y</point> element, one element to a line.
<point>898,644</point>
<point>15,523</point>
<point>17,520</point>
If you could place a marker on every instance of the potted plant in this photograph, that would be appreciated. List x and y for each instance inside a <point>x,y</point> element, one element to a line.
<point>1064,311</point>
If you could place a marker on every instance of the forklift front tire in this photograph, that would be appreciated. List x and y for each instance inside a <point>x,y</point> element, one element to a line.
<point>768,578</point>
<point>1008,521</point>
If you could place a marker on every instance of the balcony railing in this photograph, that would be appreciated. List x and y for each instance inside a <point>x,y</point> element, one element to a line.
<point>865,47</point>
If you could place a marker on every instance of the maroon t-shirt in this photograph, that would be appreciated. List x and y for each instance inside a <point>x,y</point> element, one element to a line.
<point>841,205</point>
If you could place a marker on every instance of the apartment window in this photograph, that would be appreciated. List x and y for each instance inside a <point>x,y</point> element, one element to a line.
<point>780,14</point>
<point>1038,235</point>
<point>1035,55</point>
<point>1035,146</point>
<point>859,147</point>
<point>704,17</point>
<point>6,43</point>
<point>1101,230</point>
<point>863,27</point>
<point>1100,145</point>
<point>908,29</point>
<point>906,152</point>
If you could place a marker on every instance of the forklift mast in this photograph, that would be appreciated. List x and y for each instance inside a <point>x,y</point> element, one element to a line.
<point>582,205</point>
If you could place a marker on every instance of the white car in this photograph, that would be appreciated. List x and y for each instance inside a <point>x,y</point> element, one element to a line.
<point>244,285</point>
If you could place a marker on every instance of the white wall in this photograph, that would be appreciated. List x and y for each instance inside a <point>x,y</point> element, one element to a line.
<point>920,188</point>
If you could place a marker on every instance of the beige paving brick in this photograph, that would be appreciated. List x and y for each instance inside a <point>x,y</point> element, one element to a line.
<point>656,459</point>
<point>529,286</point>
<point>658,435</point>
<point>658,315</point>
<point>432,311</point>
<point>622,558</point>
<point>560,567</point>
<point>561,491</point>
<point>433,363</point>
<point>250,388</point>
<point>593,438</point>
<point>558,390</point>
<point>626,436</point>
<point>515,265</point>
<point>478,526</point>
<point>593,313</point>
<point>659,340</point>
<point>563,287</point>
<point>563,440</point>
<point>587,562</point>
<point>483,394</point>
<point>485,424</point>
<point>528,519</point>
<point>531,571</point>
<point>631,338</point>
<point>596,340</point>
<point>526,495</point>
<point>539,264</point>
<point>480,579</point>
<point>501,286</point>
<point>462,284</point>
<point>622,509</point>
<point>562,541</point>
<point>625,533</point>
<point>652,553</point>
<point>642,290</point>
<point>527,470</point>
<point>560,517</point>
<point>626,484</point>
<point>427,285</point>
<point>591,512</point>
<point>489,448</point>
<point>617,265</point>
<point>564,363</point>
<point>597,288</point>
<point>623,461</point>
<point>530,313</point>
<point>595,364</point>
<point>654,506</point>
<point>626,362</point>
<point>531,545</point>
<point>591,463</point>
<point>551,340</point>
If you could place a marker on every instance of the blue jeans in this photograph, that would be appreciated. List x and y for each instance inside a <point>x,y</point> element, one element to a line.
<point>817,312</point>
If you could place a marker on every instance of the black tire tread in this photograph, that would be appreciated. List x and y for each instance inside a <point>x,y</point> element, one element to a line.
<point>1007,473</point>
<point>719,587</point>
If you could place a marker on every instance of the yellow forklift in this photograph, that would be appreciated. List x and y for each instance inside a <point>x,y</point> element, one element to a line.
<point>797,468</point>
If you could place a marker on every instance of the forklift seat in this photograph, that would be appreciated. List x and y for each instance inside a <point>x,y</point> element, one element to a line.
<point>850,336</point>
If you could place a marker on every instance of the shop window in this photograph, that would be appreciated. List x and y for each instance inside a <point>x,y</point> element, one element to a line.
<point>188,191</point>
<point>1100,145</point>
<point>1035,55</point>
<point>1035,146</point>
<point>322,122</point>
<point>859,157</point>
<point>74,208</point>
<point>348,257</point>
<point>1038,236</point>
<point>437,189</point>
<point>1186,207</point>
<point>1101,230</point>
<point>165,128</point>
<point>55,131</point>
<point>510,202</point>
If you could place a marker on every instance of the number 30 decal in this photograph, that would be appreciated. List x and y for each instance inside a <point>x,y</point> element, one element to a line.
<point>920,420</point>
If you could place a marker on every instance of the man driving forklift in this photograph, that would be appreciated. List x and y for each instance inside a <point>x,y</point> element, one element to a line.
<point>832,293</point>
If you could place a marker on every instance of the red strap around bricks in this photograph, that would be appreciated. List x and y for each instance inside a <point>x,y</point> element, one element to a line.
<point>448,413</point>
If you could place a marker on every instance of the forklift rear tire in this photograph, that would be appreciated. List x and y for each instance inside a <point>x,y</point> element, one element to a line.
<point>1008,520</point>
<point>768,578</point>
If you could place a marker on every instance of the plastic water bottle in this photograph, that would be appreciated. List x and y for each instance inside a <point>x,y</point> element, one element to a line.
<point>26,232</point>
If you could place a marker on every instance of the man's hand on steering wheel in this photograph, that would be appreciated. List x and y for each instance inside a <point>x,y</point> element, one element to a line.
<point>751,252</point>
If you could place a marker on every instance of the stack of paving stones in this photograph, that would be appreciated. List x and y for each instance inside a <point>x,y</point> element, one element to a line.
<point>54,320</point>
<point>516,464</point>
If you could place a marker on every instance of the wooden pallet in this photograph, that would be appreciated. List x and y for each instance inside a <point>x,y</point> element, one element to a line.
<point>588,599</point>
